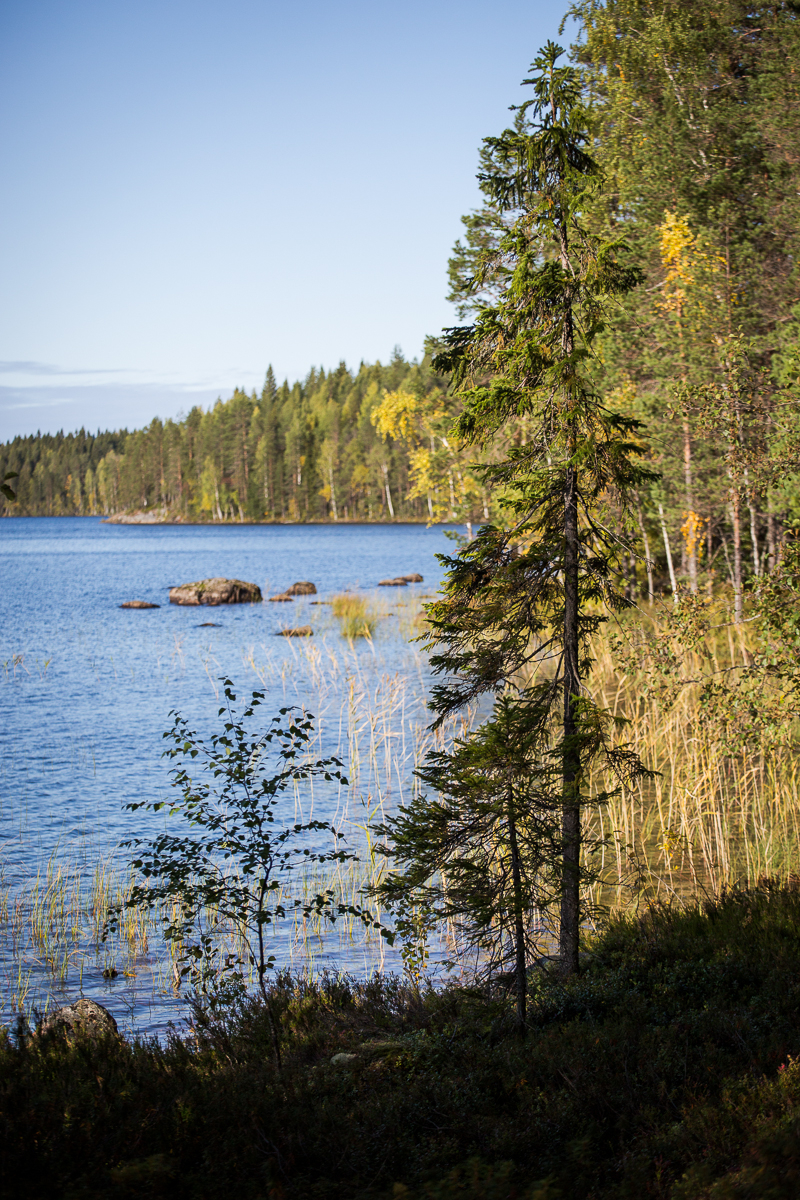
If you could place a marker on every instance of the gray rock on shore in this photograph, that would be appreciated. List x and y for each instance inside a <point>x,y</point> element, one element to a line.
<point>82,1018</point>
<point>216,591</point>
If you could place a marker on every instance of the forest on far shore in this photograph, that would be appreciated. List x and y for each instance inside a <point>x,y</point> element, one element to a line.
<point>307,451</point>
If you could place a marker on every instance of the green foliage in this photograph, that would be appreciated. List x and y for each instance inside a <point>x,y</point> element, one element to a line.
<point>521,603</point>
<point>479,853</point>
<point>5,488</point>
<point>235,870</point>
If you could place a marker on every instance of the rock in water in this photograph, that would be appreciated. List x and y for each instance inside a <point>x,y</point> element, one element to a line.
<point>82,1018</point>
<point>401,580</point>
<point>303,588</point>
<point>139,604</point>
<point>301,631</point>
<point>216,591</point>
<point>281,599</point>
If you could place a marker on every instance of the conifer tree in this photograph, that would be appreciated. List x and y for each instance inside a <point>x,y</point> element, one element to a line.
<point>522,602</point>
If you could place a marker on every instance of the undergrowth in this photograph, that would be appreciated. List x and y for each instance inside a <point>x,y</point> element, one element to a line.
<point>670,1068</point>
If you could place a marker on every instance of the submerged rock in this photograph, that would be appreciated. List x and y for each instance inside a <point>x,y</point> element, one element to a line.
<point>139,604</point>
<point>301,631</point>
<point>304,588</point>
<point>401,580</point>
<point>82,1018</point>
<point>281,598</point>
<point>216,591</point>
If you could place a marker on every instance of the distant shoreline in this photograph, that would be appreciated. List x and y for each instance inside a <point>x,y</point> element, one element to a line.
<point>145,519</point>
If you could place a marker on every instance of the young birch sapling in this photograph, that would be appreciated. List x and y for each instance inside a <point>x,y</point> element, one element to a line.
<point>236,866</point>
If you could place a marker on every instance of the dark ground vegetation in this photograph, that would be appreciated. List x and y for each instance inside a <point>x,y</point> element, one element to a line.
<point>669,1068</point>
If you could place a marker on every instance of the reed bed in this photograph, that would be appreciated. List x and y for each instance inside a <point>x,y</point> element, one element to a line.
<point>372,716</point>
<point>722,810</point>
<point>711,817</point>
<point>355,617</point>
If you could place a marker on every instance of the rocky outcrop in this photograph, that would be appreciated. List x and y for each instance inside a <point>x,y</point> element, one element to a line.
<point>400,581</point>
<point>216,591</point>
<point>139,604</point>
<point>304,588</point>
<point>301,631</point>
<point>82,1018</point>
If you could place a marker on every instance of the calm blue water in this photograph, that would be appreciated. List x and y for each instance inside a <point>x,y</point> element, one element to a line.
<point>86,688</point>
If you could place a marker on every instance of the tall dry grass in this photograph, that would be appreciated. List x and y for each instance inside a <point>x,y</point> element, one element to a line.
<point>725,804</point>
<point>354,615</point>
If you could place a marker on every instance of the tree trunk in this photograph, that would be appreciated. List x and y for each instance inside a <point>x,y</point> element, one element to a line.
<point>687,478</point>
<point>672,580</point>
<point>736,504</point>
<point>333,492</point>
<point>570,819</point>
<point>519,920</point>
<point>772,542</point>
<point>754,538</point>
<point>647,559</point>
<point>386,488</point>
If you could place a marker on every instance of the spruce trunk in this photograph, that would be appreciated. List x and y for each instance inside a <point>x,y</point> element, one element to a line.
<point>519,919</point>
<point>570,826</point>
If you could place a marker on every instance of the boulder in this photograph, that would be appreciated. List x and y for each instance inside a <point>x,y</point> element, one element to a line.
<point>139,604</point>
<point>344,1060</point>
<point>301,589</point>
<point>216,591</point>
<point>301,631</point>
<point>401,580</point>
<point>281,598</point>
<point>82,1018</point>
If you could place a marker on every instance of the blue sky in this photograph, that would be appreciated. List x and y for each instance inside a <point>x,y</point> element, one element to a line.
<point>194,190</point>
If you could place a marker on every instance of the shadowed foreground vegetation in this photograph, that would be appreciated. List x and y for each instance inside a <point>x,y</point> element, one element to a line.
<point>666,1069</point>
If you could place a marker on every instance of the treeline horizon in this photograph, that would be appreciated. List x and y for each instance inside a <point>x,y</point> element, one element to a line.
<point>302,451</point>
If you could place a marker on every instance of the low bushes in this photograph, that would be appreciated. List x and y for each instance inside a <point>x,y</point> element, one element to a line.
<point>670,1068</point>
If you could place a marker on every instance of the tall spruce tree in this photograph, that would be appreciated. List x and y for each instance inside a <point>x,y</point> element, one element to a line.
<point>522,602</point>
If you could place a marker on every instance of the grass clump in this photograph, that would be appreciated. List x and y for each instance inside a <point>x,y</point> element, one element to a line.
<point>355,618</point>
<point>669,1068</point>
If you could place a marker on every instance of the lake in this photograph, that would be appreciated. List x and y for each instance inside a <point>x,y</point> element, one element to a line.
<point>86,692</point>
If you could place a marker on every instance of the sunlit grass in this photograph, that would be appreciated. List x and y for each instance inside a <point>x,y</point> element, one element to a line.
<point>711,817</point>
<point>355,617</point>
